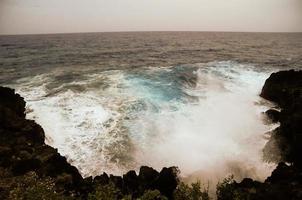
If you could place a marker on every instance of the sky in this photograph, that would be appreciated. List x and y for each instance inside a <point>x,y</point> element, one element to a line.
<point>65,16</point>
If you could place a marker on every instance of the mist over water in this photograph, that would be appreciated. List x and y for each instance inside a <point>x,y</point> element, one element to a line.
<point>204,118</point>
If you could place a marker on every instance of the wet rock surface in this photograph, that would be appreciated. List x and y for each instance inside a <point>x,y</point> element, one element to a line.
<point>24,155</point>
<point>285,89</point>
<point>284,146</point>
<point>29,168</point>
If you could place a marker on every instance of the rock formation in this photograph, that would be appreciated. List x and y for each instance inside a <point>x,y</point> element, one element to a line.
<point>30,169</point>
<point>23,152</point>
<point>284,146</point>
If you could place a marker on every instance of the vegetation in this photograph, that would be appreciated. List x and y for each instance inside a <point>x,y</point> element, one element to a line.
<point>226,189</point>
<point>30,187</point>
<point>191,192</point>
<point>105,192</point>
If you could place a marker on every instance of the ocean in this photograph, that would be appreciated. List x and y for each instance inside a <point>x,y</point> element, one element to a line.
<point>112,102</point>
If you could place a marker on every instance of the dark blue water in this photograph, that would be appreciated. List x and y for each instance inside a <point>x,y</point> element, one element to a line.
<point>28,55</point>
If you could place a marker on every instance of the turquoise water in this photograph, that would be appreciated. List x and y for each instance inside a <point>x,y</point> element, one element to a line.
<point>112,103</point>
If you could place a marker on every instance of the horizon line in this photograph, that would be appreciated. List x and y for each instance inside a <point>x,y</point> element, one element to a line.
<point>157,31</point>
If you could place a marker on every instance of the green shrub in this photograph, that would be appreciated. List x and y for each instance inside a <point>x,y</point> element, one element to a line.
<point>192,192</point>
<point>105,192</point>
<point>31,187</point>
<point>226,190</point>
<point>152,195</point>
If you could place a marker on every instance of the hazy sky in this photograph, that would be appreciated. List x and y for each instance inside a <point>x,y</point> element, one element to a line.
<point>52,16</point>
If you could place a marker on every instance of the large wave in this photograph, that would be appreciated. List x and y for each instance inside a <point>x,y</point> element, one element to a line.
<point>204,118</point>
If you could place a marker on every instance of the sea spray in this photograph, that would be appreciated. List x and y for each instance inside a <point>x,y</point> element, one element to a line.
<point>204,118</point>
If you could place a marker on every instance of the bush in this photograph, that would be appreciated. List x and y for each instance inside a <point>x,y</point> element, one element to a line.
<point>226,190</point>
<point>31,187</point>
<point>105,192</point>
<point>152,195</point>
<point>192,192</point>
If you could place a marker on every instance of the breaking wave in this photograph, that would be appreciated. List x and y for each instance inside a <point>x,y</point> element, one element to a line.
<point>204,118</point>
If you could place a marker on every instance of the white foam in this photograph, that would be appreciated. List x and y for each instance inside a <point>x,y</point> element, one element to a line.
<point>217,133</point>
<point>216,136</point>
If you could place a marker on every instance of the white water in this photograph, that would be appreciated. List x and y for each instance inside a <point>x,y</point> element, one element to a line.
<point>138,120</point>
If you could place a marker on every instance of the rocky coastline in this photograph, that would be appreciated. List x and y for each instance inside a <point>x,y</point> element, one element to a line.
<point>30,169</point>
<point>284,146</point>
<point>24,155</point>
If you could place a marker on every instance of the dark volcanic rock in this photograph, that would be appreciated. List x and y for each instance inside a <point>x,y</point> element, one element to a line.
<point>283,172</point>
<point>147,177</point>
<point>12,101</point>
<point>285,144</point>
<point>131,183</point>
<point>285,183</point>
<point>285,89</point>
<point>167,181</point>
<point>22,142</point>
<point>22,151</point>
<point>274,115</point>
<point>101,179</point>
<point>117,181</point>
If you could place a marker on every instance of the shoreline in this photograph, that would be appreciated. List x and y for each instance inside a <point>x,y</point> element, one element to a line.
<point>24,155</point>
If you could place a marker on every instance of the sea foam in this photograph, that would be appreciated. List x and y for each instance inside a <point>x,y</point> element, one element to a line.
<point>204,118</point>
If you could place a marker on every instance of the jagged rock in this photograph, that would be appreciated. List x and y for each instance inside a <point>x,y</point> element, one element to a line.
<point>285,89</point>
<point>22,151</point>
<point>13,101</point>
<point>57,165</point>
<point>167,181</point>
<point>117,181</point>
<point>85,187</point>
<point>101,179</point>
<point>273,115</point>
<point>283,173</point>
<point>147,176</point>
<point>131,182</point>
<point>22,142</point>
<point>285,182</point>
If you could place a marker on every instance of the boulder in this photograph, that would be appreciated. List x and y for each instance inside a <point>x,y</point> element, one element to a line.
<point>285,89</point>
<point>13,101</point>
<point>285,144</point>
<point>147,177</point>
<point>23,150</point>
<point>167,181</point>
<point>101,179</point>
<point>130,183</point>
